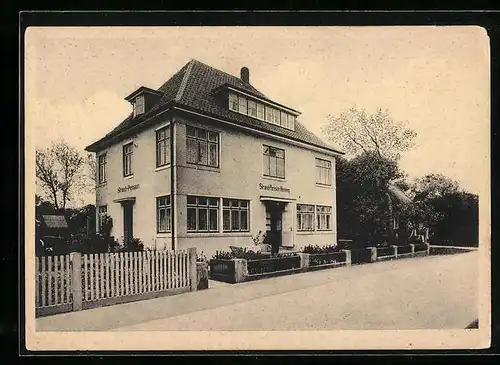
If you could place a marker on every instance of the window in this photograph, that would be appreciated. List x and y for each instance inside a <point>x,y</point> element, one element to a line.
<point>202,147</point>
<point>127,159</point>
<point>274,162</point>
<point>242,105</point>
<point>233,102</point>
<point>202,214</point>
<point>324,217</point>
<point>101,178</point>
<point>139,105</point>
<point>163,214</point>
<point>260,111</point>
<point>235,215</point>
<point>305,217</point>
<point>101,213</point>
<point>323,172</point>
<point>252,108</point>
<point>163,146</point>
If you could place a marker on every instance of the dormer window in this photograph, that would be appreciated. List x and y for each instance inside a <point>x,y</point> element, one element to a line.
<point>139,105</point>
<point>262,111</point>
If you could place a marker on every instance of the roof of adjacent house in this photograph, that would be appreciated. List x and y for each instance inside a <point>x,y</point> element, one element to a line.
<point>399,194</point>
<point>55,221</point>
<point>194,88</point>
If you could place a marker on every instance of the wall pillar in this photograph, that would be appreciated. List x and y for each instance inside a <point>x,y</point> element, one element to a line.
<point>240,270</point>
<point>374,254</point>
<point>347,257</point>
<point>76,280</point>
<point>395,251</point>
<point>412,249</point>
<point>304,260</point>
<point>193,277</point>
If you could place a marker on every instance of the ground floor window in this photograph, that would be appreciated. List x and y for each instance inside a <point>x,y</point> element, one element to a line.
<point>305,217</point>
<point>102,211</point>
<point>324,217</point>
<point>163,214</point>
<point>202,214</point>
<point>235,215</point>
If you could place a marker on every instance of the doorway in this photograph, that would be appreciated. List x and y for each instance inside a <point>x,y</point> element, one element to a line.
<point>128,223</point>
<point>274,224</point>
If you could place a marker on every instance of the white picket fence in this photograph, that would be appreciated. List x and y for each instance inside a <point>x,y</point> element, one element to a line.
<point>111,278</point>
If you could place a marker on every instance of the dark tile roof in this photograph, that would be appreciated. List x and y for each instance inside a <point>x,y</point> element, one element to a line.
<point>55,221</point>
<point>192,87</point>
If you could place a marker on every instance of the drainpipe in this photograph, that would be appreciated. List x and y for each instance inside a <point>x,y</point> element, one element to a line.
<point>173,190</point>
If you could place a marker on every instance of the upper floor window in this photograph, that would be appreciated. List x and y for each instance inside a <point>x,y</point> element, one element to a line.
<point>127,159</point>
<point>163,214</point>
<point>202,146</point>
<point>202,214</point>
<point>274,162</point>
<point>101,172</point>
<point>163,146</point>
<point>258,110</point>
<point>235,215</point>
<point>324,217</point>
<point>323,172</point>
<point>305,217</point>
<point>139,105</point>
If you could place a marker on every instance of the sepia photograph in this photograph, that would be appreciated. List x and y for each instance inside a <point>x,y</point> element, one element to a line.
<point>257,188</point>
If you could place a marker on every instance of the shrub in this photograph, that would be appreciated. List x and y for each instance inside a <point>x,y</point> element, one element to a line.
<point>134,245</point>
<point>316,249</point>
<point>201,257</point>
<point>243,253</point>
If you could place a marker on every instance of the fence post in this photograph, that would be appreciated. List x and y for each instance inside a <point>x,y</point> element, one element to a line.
<point>76,280</point>
<point>412,249</point>
<point>347,257</point>
<point>395,251</point>
<point>240,270</point>
<point>192,269</point>
<point>374,254</point>
<point>428,248</point>
<point>304,260</point>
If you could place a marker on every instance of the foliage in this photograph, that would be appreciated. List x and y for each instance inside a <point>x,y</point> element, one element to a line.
<point>316,249</point>
<point>244,253</point>
<point>59,171</point>
<point>364,213</point>
<point>260,238</point>
<point>201,257</point>
<point>358,131</point>
<point>451,214</point>
<point>133,245</point>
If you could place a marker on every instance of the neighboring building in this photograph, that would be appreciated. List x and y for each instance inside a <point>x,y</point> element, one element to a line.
<point>226,161</point>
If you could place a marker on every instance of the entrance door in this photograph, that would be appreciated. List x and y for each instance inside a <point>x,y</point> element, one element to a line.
<point>128,223</point>
<point>274,223</point>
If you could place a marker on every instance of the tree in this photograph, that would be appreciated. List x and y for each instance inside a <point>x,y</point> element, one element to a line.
<point>359,132</point>
<point>450,213</point>
<point>92,167</point>
<point>59,172</point>
<point>361,208</point>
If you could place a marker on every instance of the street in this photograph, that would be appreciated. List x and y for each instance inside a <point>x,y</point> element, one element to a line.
<point>437,292</point>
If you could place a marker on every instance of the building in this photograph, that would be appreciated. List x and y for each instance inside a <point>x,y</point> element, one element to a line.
<point>227,162</point>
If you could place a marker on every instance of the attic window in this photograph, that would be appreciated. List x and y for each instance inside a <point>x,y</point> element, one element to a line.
<point>138,105</point>
<point>255,109</point>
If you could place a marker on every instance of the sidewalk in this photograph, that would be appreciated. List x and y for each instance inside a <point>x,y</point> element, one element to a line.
<point>219,294</point>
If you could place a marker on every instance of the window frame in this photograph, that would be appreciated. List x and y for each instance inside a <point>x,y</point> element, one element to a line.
<point>302,214</point>
<point>197,206</point>
<point>277,149</point>
<point>165,141</point>
<point>142,105</point>
<point>319,167</point>
<point>127,156</point>
<point>167,207</point>
<point>239,209</point>
<point>101,168</point>
<point>206,140</point>
<point>320,214</point>
<point>102,210</point>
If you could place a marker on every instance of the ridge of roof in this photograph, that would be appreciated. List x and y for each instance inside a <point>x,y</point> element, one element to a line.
<point>184,81</point>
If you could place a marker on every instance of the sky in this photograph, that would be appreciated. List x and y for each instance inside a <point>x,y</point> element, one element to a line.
<point>435,78</point>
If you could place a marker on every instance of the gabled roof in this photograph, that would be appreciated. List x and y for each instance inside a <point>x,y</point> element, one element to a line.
<point>54,221</point>
<point>192,88</point>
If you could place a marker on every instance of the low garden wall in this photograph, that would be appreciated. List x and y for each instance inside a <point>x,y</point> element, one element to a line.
<point>253,267</point>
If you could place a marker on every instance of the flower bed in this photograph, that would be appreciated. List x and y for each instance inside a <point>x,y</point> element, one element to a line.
<point>404,250</point>
<point>273,264</point>
<point>361,255</point>
<point>326,258</point>
<point>419,247</point>
<point>385,251</point>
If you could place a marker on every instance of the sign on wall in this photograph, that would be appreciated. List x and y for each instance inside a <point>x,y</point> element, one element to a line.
<point>128,188</point>
<point>272,187</point>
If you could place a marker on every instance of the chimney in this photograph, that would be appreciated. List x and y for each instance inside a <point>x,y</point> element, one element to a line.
<point>245,74</point>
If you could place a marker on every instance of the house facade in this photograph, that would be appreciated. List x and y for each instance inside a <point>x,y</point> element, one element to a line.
<point>208,161</point>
